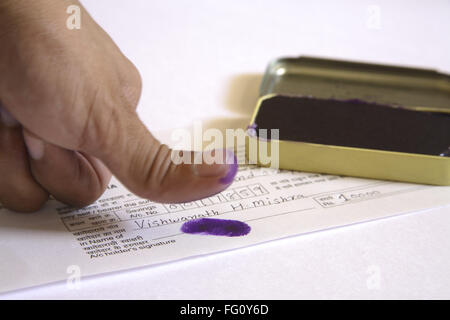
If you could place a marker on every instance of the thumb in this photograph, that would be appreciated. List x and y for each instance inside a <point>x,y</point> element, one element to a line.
<point>147,167</point>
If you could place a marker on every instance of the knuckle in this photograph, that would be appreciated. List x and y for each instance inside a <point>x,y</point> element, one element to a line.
<point>152,183</point>
<point>131,84</point>
<point>102,126</point>
<point>22,200</point>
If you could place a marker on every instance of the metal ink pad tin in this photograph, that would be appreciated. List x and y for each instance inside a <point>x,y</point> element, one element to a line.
<point>357,119</point>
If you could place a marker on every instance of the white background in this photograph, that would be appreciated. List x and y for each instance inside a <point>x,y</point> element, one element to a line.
<point>203,60</point>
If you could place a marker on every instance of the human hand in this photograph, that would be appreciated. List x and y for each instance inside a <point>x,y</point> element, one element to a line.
<point>67,102</point>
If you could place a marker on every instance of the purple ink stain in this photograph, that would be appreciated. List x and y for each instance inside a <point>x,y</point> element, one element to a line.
<point>216,227</point>
<point>253,126</point>
<point>251,130</point>
<point>445,153</point>
<point>232,169</point>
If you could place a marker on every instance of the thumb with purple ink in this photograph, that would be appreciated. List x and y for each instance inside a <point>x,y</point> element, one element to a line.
<point>153,171</point>
<point>68,118</point>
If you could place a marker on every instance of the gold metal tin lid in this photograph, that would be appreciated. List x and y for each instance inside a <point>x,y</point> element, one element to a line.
<point>411,88</point>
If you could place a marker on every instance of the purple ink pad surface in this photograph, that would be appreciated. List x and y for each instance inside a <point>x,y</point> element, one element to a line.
<point>356,123</point>
<point>216,227</point>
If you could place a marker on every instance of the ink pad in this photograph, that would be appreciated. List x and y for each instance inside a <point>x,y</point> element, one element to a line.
<point>355,119</point>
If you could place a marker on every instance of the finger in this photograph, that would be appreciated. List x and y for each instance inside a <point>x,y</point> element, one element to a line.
<point>71,177</point>
<point>145,166</point>
<point>18,189</point>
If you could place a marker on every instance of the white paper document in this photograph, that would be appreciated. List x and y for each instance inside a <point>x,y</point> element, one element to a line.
<point>121,231</point>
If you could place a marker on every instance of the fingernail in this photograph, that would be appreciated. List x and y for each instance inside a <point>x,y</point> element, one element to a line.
<point>34,145</point>
<point>226,170</point>
<point>7,118</point>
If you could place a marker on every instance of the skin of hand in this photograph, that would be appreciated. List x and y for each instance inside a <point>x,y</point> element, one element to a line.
<point>67,107</point>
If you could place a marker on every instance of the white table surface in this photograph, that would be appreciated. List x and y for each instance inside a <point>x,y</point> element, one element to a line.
<point>203,60</point>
